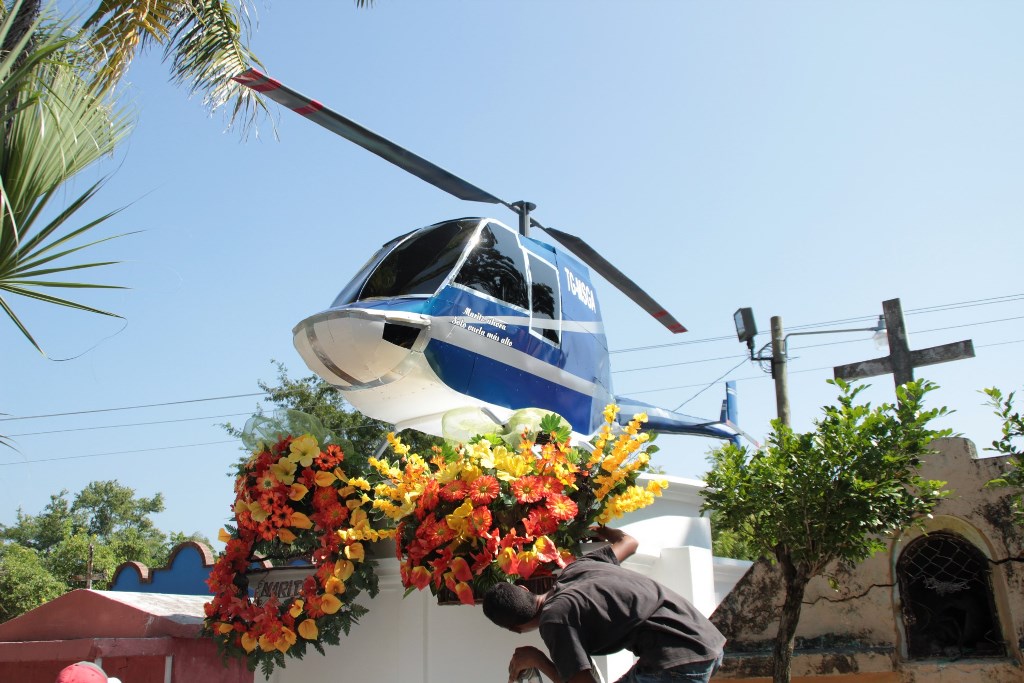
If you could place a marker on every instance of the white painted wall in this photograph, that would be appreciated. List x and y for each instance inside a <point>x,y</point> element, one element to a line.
<point>413,640</point>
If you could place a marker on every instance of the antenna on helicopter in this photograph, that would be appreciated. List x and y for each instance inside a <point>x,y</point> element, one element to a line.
<point>450,183</point>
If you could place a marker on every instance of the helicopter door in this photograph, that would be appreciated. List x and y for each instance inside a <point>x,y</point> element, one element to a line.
<point>496,267</point>
<point>545,302</point>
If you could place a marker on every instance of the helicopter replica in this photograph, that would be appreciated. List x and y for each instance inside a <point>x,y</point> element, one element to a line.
<point>470,313</point>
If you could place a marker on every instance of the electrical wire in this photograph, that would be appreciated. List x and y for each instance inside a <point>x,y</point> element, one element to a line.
<point>1006,298</point>
<point>131,424</point>
<point>134,450</point>
<point>149,405</point>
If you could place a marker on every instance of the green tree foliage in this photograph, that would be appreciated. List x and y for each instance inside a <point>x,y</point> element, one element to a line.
<point>53,546</point>
<point>24,582</point>
<point>314,396</point>
<point>1009,444</point>
<point>808,500</point>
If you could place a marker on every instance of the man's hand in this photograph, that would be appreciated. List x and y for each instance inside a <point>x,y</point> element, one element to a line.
<point>529,657</point>
<point>622,544</point>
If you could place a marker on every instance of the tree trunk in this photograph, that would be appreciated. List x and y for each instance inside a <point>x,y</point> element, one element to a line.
<point>796,579</point>
<point>27,14</point>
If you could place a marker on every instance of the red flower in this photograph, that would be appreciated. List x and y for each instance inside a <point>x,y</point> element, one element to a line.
<point>329,458</point>
<point>455,490</point>
<point>551,485</point>
<point>483,490</point>
<point>479,521</point>
<point>428,499</point>
<point>540,522</point>
<point>528,489</point>
<point>562,508</point>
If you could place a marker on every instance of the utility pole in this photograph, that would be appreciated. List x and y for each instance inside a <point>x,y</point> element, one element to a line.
<point>89,576</point>
<point>779,371</point>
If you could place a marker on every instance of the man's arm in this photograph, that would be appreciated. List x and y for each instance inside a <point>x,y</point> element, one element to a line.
<point>529,657</point>
<point>622,544</point>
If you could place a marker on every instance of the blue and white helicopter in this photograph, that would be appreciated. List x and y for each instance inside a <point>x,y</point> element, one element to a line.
<point>470,313</point>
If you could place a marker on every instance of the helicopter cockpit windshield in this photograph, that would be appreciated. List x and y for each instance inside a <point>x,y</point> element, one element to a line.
<point>410,266</point>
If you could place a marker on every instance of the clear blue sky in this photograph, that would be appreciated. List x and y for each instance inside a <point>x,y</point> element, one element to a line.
<point>807,159</point>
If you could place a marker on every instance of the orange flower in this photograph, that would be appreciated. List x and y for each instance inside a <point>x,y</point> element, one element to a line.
<point>465,593</point>
<point>300,521</point>
<point>460,568</point>
<point>420,577</point>
<point>561,507</point>
<point>330,604</point>
<point>484,489</point>
<point>528,489</point>
<point>308,630</point>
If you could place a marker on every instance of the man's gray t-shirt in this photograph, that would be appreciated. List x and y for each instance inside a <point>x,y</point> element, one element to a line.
<point>597,608</point>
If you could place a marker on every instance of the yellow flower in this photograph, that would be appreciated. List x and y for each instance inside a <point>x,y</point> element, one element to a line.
<point>284,471</point>
<point>249,642</point>
<point>303,450</point>
<point>330,604</point>
<point>286,536</point>
<point>396,444</point>
<point>457,519</point>
<point>355,552</point>
<point>343,569</point>
<point>257,512</point>
<point>223,628</point>
<point>296,609</point>
<point>512,466</point>
<point>223,536</point>
<point>308,629</point>
<point>656,486</point>
<point>334,585</point>
<point>610,411</point>
<point>359,483</point>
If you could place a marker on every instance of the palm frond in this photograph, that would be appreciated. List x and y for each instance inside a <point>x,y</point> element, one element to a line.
<point>63,122</point>
<point>208,49</point>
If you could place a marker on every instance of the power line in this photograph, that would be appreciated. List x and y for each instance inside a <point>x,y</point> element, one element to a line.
<point>792,372</point>
<point>131,424</point>
<point>149,405</point>
<point>135,450</point>
<point>1007,298</point>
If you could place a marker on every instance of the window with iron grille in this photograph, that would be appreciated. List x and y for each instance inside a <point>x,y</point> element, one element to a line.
<point>948,610</point>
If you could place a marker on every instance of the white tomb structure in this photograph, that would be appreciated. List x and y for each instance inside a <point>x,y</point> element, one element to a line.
<point>415,640</point>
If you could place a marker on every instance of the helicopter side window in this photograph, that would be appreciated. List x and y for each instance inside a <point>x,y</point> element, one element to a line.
<point>496,267</point>
<point>420,264</point>
<point>544,299</point>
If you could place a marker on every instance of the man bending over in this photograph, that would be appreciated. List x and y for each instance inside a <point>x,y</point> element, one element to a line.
<point>596,608</point>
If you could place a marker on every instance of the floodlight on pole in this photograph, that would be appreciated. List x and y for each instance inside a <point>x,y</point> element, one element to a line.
<point>746,329</point>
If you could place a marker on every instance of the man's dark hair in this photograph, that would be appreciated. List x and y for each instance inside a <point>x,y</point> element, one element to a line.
<point>508,605</point>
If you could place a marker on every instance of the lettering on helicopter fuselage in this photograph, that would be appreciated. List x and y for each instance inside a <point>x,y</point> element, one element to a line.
<point>476,329</point>
<point>580,289</point>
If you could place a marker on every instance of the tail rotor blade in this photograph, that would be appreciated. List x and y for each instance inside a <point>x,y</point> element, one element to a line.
<point>365,138</point>
<point>615,276</point>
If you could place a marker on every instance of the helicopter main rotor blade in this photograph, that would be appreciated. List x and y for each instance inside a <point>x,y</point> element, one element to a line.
<point>365,138</point>
<point>617,278</point>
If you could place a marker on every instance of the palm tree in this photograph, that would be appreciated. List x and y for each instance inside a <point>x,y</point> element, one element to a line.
<point>204,41</point>
<point>57,118</point>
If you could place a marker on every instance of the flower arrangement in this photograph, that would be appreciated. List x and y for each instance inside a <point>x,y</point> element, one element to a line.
<point>294,498</point>
<point>507,507</point>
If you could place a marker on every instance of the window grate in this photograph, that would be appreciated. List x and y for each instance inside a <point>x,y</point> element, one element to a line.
<point>948,610</point>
